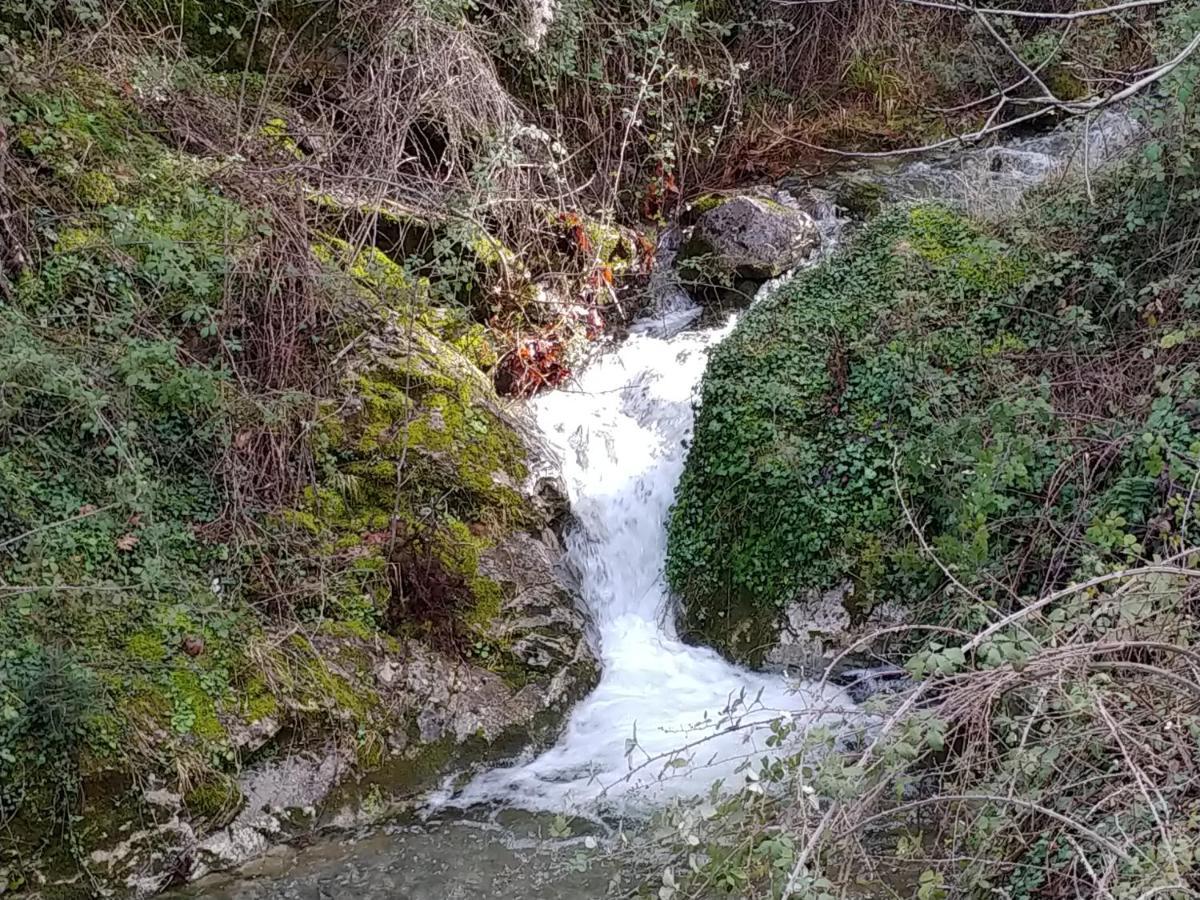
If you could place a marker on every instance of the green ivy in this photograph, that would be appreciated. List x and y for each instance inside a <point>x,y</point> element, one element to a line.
<point>919,363</point>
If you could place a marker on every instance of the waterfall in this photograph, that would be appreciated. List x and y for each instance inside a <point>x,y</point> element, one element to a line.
<point>667,718</point>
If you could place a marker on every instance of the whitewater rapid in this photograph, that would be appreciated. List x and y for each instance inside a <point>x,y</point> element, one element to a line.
<point>658,723</point>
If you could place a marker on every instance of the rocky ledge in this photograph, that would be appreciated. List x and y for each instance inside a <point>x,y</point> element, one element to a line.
<point>361,721</point>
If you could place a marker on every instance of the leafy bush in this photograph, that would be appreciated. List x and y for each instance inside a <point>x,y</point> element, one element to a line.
<point>808,403</point>
<point>1032,756</point>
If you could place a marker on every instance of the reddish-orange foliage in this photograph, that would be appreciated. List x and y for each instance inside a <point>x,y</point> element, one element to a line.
<point>534,364</point>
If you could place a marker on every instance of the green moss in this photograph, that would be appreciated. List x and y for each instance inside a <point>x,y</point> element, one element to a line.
<point>1065,84</point>
<point>347,697</point>
<point>258,701</point>
<point>96,189</point>
<point>942,237</point>
<point>351,629</point>
<point>436,411</point>
<point>489,251</point>
<point>214,801</point>
<point>146,647</point>
<point>611,246</point>
<point>74,239</point>
<point>706,203</point>
<point>463,464</point>
<point>193,710</point>
<point>144,697</point>
<point>459,551</point>
<point>276,131</point>
<point>469,338</point>
<point>373,268</point>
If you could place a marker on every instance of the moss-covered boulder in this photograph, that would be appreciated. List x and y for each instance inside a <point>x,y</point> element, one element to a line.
<point>171,630</point>
<point>931,401</point>
<point>826,396</point>
<point>429,518</point>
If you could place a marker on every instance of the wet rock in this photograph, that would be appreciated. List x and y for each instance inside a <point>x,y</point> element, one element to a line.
<point>752,237</point>
<point>252,736</point>
<point>148,852</point>
<point>277,794</point>
<point>539,619</point>
<point>821,629</point>
<point>544,660</point>
<point>548,495</point>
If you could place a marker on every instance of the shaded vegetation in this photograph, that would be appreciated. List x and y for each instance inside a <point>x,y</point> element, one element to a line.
<point>1032,402</point>
<point>263,266</point>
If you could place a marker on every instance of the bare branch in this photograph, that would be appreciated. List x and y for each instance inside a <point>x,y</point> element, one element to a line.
<point>1032,14</point>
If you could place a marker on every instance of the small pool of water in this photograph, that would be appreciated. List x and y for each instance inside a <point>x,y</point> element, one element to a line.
<point>435,860</point>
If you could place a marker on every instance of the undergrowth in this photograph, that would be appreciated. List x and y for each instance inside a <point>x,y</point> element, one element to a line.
<point>262,266</point>
<point>1022,407</point>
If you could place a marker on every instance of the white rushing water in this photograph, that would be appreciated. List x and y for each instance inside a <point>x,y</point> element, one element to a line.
<point>621,430</point>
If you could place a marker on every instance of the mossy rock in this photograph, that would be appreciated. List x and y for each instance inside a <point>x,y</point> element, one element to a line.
<point>214,802</point>
<point>789,482</point>
<point>615,247</point>
<point>421,437</point>
<point>859,196</point>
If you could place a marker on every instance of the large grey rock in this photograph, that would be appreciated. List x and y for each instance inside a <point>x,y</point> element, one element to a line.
<point>753,237</point>
<point>819,630</point>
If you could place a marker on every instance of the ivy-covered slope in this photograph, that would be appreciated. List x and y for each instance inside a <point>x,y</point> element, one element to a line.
<point>931,384</point>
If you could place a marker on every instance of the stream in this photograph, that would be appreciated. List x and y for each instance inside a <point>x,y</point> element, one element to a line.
<point>667,719</point>
<point>621,431</point>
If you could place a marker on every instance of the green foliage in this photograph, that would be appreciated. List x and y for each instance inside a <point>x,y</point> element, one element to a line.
<point>116,412</point>
<point>48,707</point>
<point>133,625</point>
<point>921,363</point>
<point>1066,446</point>
<point>810,401</point>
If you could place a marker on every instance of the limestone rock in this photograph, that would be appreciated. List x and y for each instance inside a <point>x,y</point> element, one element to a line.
<point>818,629</point>
<point>752,237</point>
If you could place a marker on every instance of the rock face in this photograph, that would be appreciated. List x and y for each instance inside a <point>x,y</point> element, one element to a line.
<point>753,237</point>
<point>819,630</point>
<point>503,650</point>
<point>384,692</point>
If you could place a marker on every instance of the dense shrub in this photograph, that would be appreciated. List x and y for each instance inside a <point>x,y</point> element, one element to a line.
<point>879,352</point>
<point>1046,745</point>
